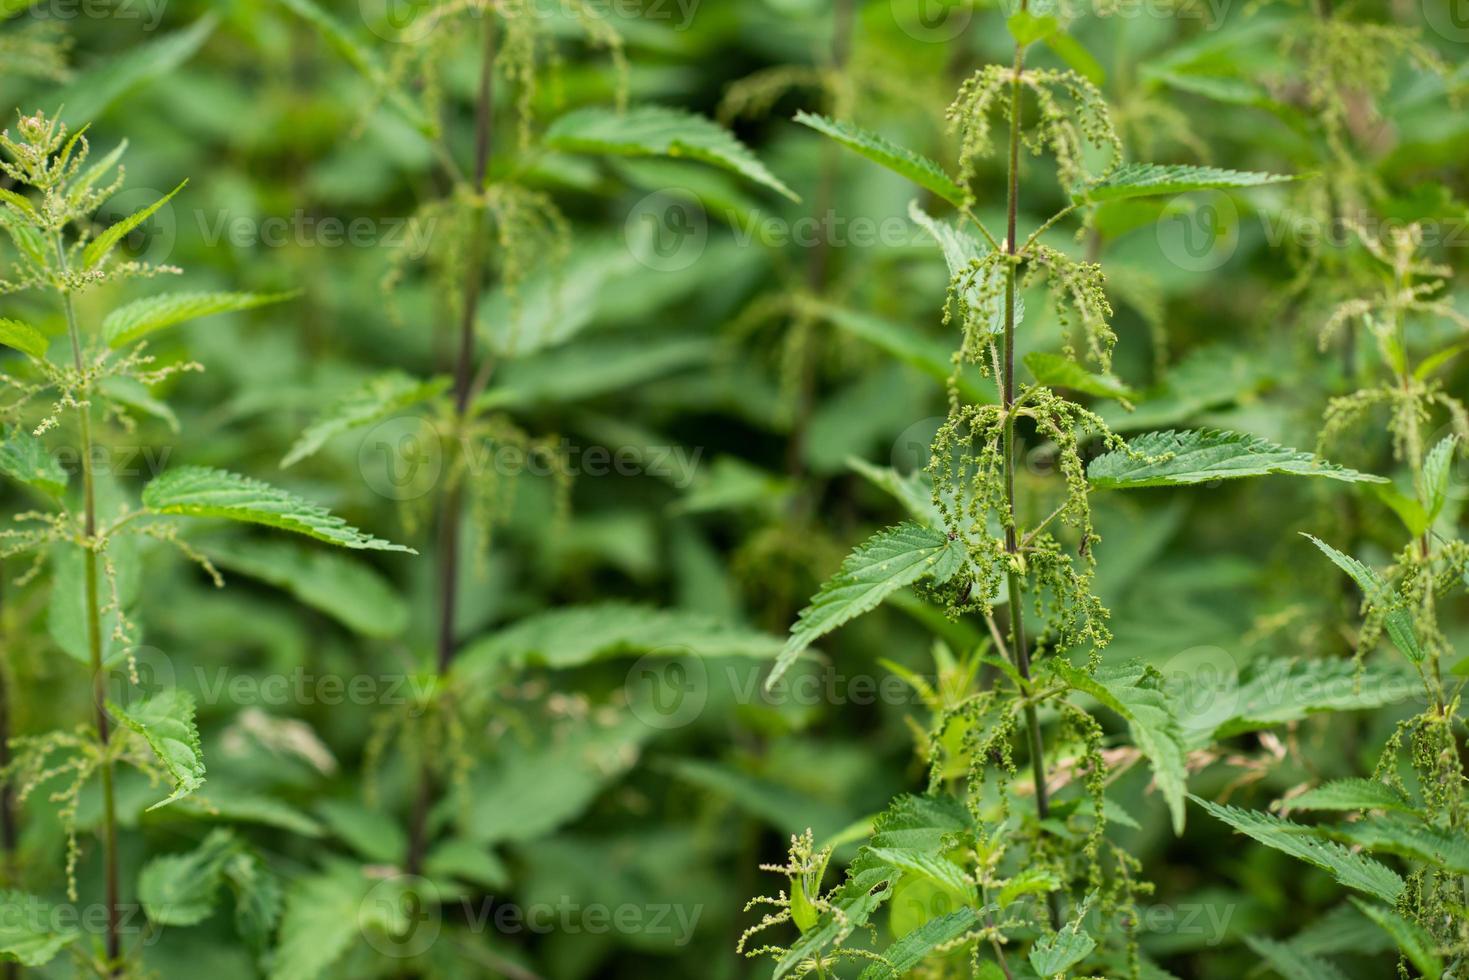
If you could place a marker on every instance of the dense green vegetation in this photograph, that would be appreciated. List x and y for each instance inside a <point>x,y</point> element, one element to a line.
<point>838,488</point>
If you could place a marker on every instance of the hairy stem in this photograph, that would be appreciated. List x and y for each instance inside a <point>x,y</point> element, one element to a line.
<point>451,508</point>
<point>94,629</point>
<point>8,836</point>
<point>1019,651</point>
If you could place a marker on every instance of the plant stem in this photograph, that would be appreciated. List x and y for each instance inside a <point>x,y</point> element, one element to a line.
<point>1019,651</point>
<point>819,265</point>
<point>8,837</point>
<point>452,506</point>
<point>94,630</point>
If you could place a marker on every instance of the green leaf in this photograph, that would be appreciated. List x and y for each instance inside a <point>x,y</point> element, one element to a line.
<point>322,920</point>
<point>89,178</point>
<point>1053,955</point>
<point>20,202</point>
<point>1292,963</point>
<point>1412,939</point>
<point>199,491</point>
<point>257,900</point>
<point>899,159</point>
<point>578,635</point>
<point>138,319</point>
<point>1441,847</point>
<point>1409,510</point>
<point>1029,881</point>
<point>1173,459</point>
<point>659,131</point>
<point>1437,469</point>
<point>911,822</point>
<point>166,723</point>
<point>90,94</point>
<point>373,834</point>
<point>593,366</point>
<point>556,302</point>
<point>550,778</point>
<point>467,861</point>
<point>1075,54</point>
<point>888,561</point>
<point>1058,371</point>
<point>99,248</point>
<point>132,393</point>
<point>183,889</point>
<point>962,251</point>
<point>1289,691</point>
<point>376,399</point>
<point>1398,622</point>
<point>1349,794</point>
<point>1136,694</point>
<point>1027,28</point>
<point>914,491</point>
<point>1151,179</point>
<point>908,345</point>
<point>24,459</point>
<point>24,338</point>
<point>349,591</point>
<point>26,933</point>
<point>911,950</point>
<point>1347,867</point>
<point>66,616</point>
<point>919,863</point>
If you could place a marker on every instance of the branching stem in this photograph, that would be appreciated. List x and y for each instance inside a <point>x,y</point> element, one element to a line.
<point>1020,652</point>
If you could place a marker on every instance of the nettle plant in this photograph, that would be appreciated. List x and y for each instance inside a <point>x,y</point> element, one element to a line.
<point>77,404</point>
<point>1413,806</point>
<point>503,254</point>
<point>987,872</point>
